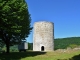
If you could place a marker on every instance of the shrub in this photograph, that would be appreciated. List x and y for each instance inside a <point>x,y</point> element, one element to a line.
<point>73,46</point>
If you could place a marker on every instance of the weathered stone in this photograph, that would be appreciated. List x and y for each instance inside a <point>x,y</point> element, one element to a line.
<point>43,38</point>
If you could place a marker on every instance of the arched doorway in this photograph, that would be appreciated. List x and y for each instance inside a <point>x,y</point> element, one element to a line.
<point>42,48</point>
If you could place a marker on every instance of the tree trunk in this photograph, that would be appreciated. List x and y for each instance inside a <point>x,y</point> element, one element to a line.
<point>7,48</point>
<point>7,45</point>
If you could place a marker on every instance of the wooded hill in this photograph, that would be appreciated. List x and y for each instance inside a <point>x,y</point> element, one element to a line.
<point>59,43</point>
<point>63,43</point>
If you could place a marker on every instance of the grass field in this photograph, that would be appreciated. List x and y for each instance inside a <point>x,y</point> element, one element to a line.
<point>30,55</point>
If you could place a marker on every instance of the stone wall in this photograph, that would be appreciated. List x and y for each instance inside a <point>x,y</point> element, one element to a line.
<point>43,36</point>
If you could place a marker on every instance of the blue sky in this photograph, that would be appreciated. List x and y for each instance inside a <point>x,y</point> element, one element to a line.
<point>65,14</point>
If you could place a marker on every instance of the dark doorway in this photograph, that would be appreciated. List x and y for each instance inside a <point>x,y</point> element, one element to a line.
<point>42,48</point>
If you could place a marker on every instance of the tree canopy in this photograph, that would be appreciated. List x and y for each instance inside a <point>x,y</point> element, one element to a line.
<point>14,21</point>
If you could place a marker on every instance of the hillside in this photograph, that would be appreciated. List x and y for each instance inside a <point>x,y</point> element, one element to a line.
<point>66,42</point>
<point>62,43</point>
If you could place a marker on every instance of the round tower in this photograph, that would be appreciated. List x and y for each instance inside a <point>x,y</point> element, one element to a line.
<point>43,36</point>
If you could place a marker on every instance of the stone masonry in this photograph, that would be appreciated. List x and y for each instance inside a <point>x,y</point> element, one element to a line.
<point>43,36</point>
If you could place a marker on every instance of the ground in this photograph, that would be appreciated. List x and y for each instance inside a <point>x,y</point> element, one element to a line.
<point>60,54</point>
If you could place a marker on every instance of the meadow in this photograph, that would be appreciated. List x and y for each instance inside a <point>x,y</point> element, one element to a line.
<point>53,55</point>
<point>64,50</point>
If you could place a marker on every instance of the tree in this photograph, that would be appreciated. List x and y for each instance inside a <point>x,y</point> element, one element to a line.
<point>14,22</point>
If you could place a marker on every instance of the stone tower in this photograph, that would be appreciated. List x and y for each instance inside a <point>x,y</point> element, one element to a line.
<point>43,36</point>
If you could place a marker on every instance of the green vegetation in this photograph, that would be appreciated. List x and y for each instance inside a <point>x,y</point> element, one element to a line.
<point>73,46</point>
<point>29,55</point>
<point>60,54</point>
<point>58,43</point>
<point>30,46</point>
<point>14,22</point>
<point>64,43</point>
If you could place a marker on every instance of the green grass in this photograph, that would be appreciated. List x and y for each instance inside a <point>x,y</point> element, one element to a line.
<point>30,55</point>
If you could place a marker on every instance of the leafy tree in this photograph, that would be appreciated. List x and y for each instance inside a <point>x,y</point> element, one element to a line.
<point>14,22</point>
<point>30,46</point>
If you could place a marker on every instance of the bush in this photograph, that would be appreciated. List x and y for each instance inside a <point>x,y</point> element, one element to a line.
<point>0,49</point>
<point>73,46</point>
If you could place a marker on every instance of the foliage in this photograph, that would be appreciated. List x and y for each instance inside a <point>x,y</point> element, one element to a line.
<point>73,46</point>
<point>14,22</point>
<point>14,48</point>
<point>64,43</point>
<point>0,49</point>
<point>58,44</point>
<point>30,46</point>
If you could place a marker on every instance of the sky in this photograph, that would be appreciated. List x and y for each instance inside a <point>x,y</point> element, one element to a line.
<point>65,14</point>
